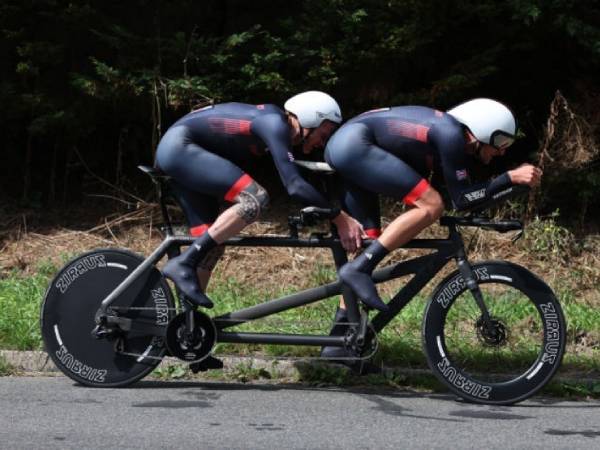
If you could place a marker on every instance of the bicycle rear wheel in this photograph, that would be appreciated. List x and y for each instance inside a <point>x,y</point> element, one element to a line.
<point>514,359</point>
<point>68,317</point>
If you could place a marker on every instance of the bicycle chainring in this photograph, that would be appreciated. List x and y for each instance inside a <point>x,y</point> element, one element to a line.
<point>191,345</point>
<point>360,351</point>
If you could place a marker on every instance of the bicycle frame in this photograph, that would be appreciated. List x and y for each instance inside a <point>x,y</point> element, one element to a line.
<point>424,269</point>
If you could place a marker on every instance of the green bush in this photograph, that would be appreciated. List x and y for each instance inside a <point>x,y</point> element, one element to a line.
<point>20,301</point>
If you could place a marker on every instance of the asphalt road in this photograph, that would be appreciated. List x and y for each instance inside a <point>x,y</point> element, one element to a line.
<point>53,412</point>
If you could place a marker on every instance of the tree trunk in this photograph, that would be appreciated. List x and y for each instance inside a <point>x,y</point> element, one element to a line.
<point>66,176</point>
<point>27,176</point>
<point>120,145</point>
<point>52,180</point>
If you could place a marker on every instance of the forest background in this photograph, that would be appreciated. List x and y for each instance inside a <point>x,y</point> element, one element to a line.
<point>87,88</point>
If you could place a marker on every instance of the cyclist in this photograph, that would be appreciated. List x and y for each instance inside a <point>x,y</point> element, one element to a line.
<point>393,151</point>
<point>202,152</point>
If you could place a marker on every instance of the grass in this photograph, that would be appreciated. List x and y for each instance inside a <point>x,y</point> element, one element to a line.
<point>5,368</point>
<point>573,389</point>
<point>20,301</point>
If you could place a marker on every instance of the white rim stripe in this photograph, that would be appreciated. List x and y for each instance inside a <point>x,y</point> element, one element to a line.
<point>501,277</point>
<point>439,343</point>
<point>537,369</point>
<point>141,358</point>
<point>120,266</point>
<point>57,334</point>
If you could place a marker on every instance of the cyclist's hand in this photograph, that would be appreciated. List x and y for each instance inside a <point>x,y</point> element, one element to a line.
<point>526,174</point>
<point>350,230</point>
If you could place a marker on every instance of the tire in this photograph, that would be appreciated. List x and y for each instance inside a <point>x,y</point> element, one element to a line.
<point>68,317</point>
<point>522,306</point>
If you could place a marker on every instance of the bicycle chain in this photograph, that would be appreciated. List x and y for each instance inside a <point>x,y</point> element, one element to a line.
<point>374,343</point>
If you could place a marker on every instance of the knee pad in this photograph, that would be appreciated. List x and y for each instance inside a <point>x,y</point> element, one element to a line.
<point>251,201</point>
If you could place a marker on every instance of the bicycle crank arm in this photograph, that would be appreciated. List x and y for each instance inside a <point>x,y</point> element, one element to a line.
<point>362,329</point>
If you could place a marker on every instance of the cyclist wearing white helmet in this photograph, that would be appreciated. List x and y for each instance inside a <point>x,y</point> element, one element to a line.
<point>395,152</point>
<point>489,122</point>
<point>202,152</point>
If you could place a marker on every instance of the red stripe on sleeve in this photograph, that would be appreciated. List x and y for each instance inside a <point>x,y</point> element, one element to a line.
<point>242,183</point>
<point>200,229</point>
<point>373,233</point>
<point>416,192</point>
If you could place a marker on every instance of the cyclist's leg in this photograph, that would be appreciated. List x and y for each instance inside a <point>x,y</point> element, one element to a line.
<point>200,211</point>
<point>199,170</point>
<point>363,205</point>
<point>377,170</point>
<point>203,172</point>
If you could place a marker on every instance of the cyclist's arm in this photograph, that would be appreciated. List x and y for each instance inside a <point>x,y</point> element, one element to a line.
<point>464,194</point>
<point>274,132</point>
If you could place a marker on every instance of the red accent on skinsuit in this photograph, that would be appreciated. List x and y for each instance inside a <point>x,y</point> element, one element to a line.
<point>242,183</point>
<point>416,192</point>
<point>229,126</point>
<point>373,233</point>
<point>200,229</point>
<point>408,130</point>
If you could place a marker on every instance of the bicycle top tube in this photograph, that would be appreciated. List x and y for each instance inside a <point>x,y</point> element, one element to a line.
<point>314,241</point>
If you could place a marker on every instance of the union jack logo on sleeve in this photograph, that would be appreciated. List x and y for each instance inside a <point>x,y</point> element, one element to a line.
<point>462,174</point>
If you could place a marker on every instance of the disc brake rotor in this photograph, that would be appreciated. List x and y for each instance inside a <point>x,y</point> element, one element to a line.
<point>494,335</point>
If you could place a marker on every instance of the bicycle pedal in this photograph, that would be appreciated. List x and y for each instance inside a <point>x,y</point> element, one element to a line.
<point>209,363</point>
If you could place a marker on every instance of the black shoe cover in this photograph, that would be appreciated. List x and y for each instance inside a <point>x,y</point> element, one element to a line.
<point>186,280</point>
<point>363,287</point>
<point>208,363</point>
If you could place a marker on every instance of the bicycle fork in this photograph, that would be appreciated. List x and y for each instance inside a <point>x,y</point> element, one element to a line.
<point>471,282</point>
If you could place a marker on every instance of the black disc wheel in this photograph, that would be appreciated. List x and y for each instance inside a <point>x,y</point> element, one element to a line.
<point>506,358</point>
<point>68,318</point>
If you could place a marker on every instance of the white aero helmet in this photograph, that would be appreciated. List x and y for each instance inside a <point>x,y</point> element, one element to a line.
<point>313,107</point>
<point>490,121</point>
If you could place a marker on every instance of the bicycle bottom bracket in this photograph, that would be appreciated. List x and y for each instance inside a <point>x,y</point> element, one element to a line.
<point>494,334</point>
<point>357,347</point>
<point>191,343</point>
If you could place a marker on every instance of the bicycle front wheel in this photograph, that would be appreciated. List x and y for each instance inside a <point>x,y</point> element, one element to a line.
<point>510,358</point>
